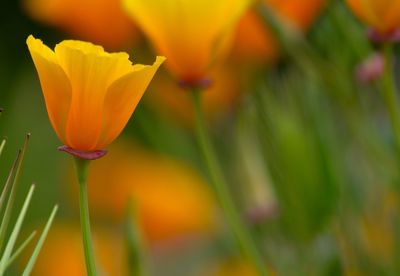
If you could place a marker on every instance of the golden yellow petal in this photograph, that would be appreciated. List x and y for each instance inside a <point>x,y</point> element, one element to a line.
<point>55,84</point>
<point>122,98</point>
<point>186,32</point>
<point>91,71</point>
<point>392,19</point>
<point>382,15</point>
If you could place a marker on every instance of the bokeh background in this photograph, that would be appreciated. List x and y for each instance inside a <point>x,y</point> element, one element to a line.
<point>305,143</point>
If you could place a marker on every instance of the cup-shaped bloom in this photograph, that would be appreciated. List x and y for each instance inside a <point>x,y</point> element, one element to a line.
<point>90,94</point>
<point>381,15</point>
<point>192,34</point>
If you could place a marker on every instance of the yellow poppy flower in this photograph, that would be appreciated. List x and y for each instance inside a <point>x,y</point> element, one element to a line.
<point>192,34</point>
<point>382,15</point>
<point>90,94</point>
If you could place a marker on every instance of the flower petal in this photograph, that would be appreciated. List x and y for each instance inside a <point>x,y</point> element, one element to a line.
<point>122,98</point>
<point>90,70</point>
<point>382,15</point>
<point>186,32</point>
<point>55,84</point>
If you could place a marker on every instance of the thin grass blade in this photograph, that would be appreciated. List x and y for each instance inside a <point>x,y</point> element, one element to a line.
<point>6,187</point>
<point>20,249</point>
<point>14,234</point>
<point>39,245</point>
<point>10,203</point>
<point>2,145</point>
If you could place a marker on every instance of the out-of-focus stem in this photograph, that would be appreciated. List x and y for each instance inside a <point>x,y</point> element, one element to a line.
<point>234,220</point>
<point>81,166</point>
<point>390,94</point>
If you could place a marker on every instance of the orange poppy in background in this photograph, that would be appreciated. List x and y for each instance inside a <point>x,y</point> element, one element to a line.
<point>299,13</point>
<point>256,42</point>
<point>90,94</point>
<point>192,34</point>
<point>172,200</point>
<point>381,15</point>
<point>99,21</point>
<point>62,253</point>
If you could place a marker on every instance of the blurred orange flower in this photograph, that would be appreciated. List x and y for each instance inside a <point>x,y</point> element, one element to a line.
<point>62,253</point>
<point>299,13</point>
<point>90,94</point>
<point>172,200</point>
<point>382,15</point>
<point>99,21</point>
<point>255,41</point>
<point>192,34</point>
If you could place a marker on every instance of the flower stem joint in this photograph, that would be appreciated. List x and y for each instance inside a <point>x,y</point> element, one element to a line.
<point>87,155</point>
<point>380,38</point>
<point>191,84</point>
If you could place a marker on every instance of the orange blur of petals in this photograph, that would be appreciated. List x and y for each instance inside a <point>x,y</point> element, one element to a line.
<point>90,94</point>
<point>172,200</point>
<point>99,21</point>
<point>254,40</point>
<point>192,34</point>
<point>62,253</point>
<point>382,15</point>
<point>301,14</point>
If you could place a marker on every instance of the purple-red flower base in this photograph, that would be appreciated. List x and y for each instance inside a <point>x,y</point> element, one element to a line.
<point>197,83</point>
<point>87,155</point>
<point>378,37</point>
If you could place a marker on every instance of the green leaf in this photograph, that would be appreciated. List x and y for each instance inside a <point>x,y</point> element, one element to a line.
<point>39,245</point>
<point>15,232</point>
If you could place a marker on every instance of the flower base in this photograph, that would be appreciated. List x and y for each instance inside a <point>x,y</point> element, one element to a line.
<point>87,155</point>
<point>203,83</point>
<point>377,37</point>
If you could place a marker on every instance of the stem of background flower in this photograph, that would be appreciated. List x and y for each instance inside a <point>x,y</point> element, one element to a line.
<point>235,222</point>
<point>81,166</point>
<point>390,94</point>
<point>390,97</point>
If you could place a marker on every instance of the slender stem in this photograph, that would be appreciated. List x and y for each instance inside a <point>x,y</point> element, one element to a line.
<point>240,231</point>
<point>135,249</point>
<point>81,167</point>
<point>390,97</point>
<point>390,94</point>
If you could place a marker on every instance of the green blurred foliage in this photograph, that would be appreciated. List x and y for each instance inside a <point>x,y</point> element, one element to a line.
<point>324,141</point>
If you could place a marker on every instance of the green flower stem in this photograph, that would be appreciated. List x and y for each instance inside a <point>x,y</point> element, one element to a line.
<point>81,167</point>
<point>240,231</point>
<point>390,94</point>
